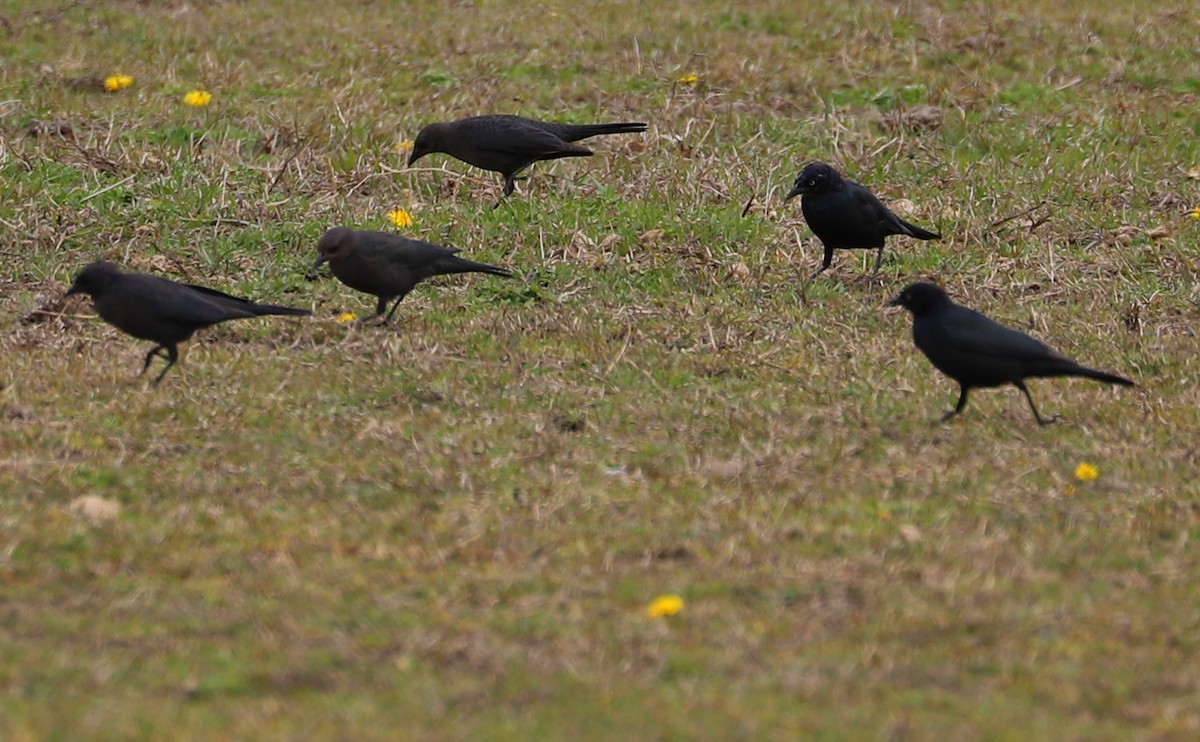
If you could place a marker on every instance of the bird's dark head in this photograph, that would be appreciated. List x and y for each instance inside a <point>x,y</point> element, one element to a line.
<point>428,141</point>
<point>816,177</point>
<point>335,244</point>
<point>94,278</point>
<point>920,298</point>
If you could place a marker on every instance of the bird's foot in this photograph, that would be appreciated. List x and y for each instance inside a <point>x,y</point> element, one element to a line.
<point>1044,421</point>
<point>946,417</point>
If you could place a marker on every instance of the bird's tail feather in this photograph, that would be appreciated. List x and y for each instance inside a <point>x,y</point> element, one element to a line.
<point>1065,367</point>
<point>236,302</point>
<point>921,234</point>
<point>456,264</point>
<point>583,131</point>
<point>263,309</point>
<point>1092,373</point>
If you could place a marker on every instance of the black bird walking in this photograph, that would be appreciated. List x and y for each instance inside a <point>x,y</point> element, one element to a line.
<point>388,265</point>
<point>162,311</point>
<point>977,352</point>
<point>508,144</point>
<point>846,216</point>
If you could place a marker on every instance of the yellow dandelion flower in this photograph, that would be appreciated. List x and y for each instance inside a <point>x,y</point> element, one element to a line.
<point>690,78</point>
<point>1086,472</point>
<point>198,98</point>
<point>665,605</point>
<point>113,83</point>
<point>400,218</point>
<point>346,317</point>
<point>405,146</point>
<point>1195,213</point>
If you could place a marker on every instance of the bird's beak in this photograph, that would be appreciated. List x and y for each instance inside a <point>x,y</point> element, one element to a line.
<point>73,290</point>
<point>897,302</point>
<point>416,155</point>
<point>796,191</point>
<point>312,272</point>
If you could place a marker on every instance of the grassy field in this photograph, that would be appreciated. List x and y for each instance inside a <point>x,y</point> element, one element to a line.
<point>451,527</point>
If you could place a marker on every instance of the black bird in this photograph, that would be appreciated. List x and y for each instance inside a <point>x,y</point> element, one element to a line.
<point>159,310</point>
<point>846,216</point>
<point>388,265</point>
<point>508,144</point>
<point>977,352</point>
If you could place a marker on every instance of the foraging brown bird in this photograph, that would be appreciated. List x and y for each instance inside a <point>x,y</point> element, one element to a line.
<point>508,144</point>
<point>977,352</point>
<point>388,265</point>
<point>160,310</point>
<point>846,216</point>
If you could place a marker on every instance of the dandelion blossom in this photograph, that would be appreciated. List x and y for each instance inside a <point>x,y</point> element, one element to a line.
<point>665,605</point>
<point>198,98</point>
<point>1195,213</point>
<point>113,83</point>
<point>400,218</point>
<point>690,78</point>
<point>346,317</point>
<point>1086,472</point>
<point>405,146</point>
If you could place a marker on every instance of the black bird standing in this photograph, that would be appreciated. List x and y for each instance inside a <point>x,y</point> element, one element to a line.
<point>508,144</point>
<point>162,311</point>
<point>977,352</point>
<point>846,216</point>
<point>388,265</point>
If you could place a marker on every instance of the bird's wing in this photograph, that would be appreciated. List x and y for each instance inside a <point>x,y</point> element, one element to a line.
<point>179,302</point>
<point>518,138</point>
<point>972,332</point>
<point>218,296</point>
<point>843,219</point>
<point>404,252</point>
<point>874,211</point>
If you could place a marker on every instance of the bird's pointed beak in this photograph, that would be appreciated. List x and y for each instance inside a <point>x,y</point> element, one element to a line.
<point>312,272</point>
<point>796,191</point>
<point>414,157</point>
<point>897,302</point>
<point>73,290</point>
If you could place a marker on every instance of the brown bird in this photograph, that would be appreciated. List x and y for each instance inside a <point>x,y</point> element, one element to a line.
<point>508,144</point>
<point>388,265</point>
<point>160,310</point>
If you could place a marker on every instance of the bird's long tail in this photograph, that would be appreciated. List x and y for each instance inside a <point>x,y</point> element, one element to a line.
<point>921,234</point>
<point>583,131</point>
<point>1070,368</point>
<point>455,264</point>
<point>238,303</point>
<point>1092,373</point>
<point>264,309</point>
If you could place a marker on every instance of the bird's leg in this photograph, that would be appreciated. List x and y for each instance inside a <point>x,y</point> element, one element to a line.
<point>878,262</point>
<point>962,403</point>
<point>1043,421</point>
<point>825,263</point>
<point>172,356</point>
<point>388,318</point>
<point>380,305</point>
<point>155,351</point>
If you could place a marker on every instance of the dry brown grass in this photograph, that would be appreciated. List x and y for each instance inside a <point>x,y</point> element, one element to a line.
<point>452,527</point>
